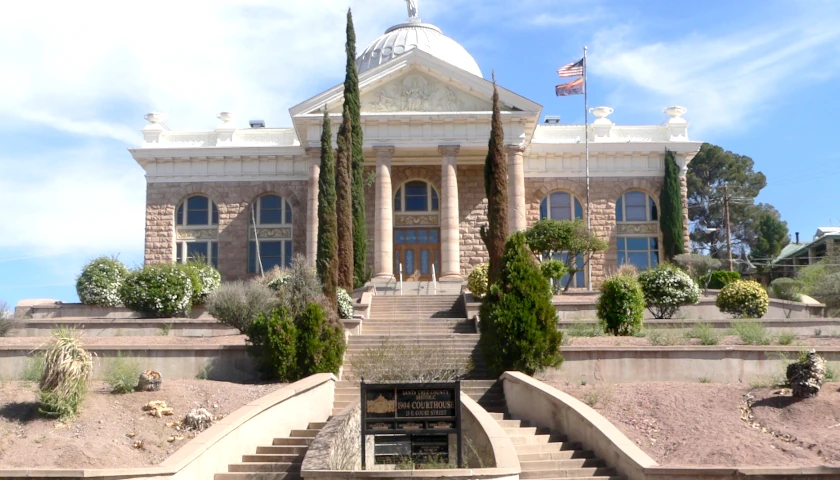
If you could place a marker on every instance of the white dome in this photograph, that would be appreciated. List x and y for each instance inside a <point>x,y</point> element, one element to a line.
<point>401,38</point>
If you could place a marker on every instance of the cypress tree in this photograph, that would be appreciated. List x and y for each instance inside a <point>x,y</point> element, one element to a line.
<point>495,187</point>
<point>353,103</point>
<point>344,203</point>
<point>326,261</point>
<point>671,211</point>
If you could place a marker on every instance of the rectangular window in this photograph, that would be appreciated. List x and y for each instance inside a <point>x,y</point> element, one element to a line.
<point>197,210</point>
<point>214,255</point>
<point>271,254</point>
<point>179,251</point>
<point>641,252</point>
<point>197,250</point>
<point>636,208</point>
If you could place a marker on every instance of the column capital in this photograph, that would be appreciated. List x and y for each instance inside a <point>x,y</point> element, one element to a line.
<point>451,150</point>
<point>513,148</point>
<point>384,150</point>
<point>314,153</point>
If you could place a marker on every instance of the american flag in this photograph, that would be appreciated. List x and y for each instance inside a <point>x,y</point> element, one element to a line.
<point>571,70</point>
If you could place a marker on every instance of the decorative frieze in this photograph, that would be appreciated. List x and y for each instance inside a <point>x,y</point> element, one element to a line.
<point>638,228</point>
<point>196,234</point>
<point>279,233</point>
<point>414,220</point>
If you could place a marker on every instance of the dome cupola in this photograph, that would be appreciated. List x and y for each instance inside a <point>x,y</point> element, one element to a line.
<point>404,37</point>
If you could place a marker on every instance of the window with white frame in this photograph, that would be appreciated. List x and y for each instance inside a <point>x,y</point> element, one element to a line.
<point>416,196</point>
<point>637,217</point>
<point>197,230</point>
<point>564,206</point>
<point>271,225</point>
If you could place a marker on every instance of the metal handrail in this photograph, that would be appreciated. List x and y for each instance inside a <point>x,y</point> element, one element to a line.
<point>434,278</point>
<point>401,278</point>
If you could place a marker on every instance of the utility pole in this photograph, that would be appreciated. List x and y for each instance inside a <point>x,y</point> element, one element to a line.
<point>728,230</point>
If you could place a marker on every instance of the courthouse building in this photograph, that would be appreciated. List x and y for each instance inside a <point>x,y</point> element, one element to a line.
<point>426,116</point>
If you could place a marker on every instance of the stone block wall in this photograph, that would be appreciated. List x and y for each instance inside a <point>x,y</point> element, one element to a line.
<point>473,214</point>
<point>233,200</point>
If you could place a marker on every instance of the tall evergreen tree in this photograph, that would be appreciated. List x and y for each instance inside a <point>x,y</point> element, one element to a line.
<point>344,202</point>
<point>671,209</point>
<point>353,103</point>
<point>495,187</point>
<point>327,254</point>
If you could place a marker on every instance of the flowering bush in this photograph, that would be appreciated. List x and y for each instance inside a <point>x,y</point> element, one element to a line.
<point>345,304</point>
<point>666,289</point>
<point>621,306</point>
<point>743,298</point>
<point>100,281</point>
<point>280,280</point>
<point>162,290</point>
<point>477,280</point>
<point>204,277</point>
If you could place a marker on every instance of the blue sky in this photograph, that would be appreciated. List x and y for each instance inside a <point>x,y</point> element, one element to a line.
<point>758,77</point>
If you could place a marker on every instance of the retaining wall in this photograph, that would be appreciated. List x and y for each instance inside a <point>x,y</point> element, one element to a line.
<point>123,327</point>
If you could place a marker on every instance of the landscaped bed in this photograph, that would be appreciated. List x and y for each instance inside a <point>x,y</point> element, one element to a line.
<point>106,432</point>
<point>676,338</point>
<point>697,424</point>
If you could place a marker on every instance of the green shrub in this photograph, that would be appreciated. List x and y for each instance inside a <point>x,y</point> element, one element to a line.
<point>320,346</point>
<point>204,277</point>
<point>704,332</point>
<point>666,289</point>
<point>477,280</point>
<point>720,278</point>
<point>787,289</point>
<point>751,332</point>
<point>238,303</point>
<point>300,287</point>
<point>786,338</point>
<point>743,299</point>
<point>519,322</point>
<point>122,374</point>
<point>161,290</point>
<point>697,266</point>
<point>100,282</point>
<point>585,330</point>
<point>621,306</point>
<point>345,304</point>
<point>272,340</point>
<point>34,368</point>
<point>67,370</point>
<point>828,292</point>
<point>661,337</point>
<point>553,270</point>
<point>6,319</point>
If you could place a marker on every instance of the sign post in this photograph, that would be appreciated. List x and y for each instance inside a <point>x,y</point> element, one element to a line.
<point>409,419</point>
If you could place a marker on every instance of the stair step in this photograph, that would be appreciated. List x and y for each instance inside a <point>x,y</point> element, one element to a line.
<point>513,423</point>
<point>304,433</point>
<point>542,465</point>
<point>272,457</point>
<point>522,431</point>
<point>316,425</point>
<point>264,467</point>
<point>568,473</point>
<point>258,476</point>
<point>282,449</point>
<point>293,441</point>
<point>546,447</point>
<point>560,455</point>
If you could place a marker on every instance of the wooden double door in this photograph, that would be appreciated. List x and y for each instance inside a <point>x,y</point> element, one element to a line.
<point>417,250</point>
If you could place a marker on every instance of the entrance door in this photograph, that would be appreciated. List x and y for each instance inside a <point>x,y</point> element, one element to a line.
<point>417,249</point>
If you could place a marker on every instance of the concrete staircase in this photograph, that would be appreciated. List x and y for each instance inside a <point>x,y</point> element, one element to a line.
<point>487,393</point>
<point>417,315</point>
<point>279,461</point>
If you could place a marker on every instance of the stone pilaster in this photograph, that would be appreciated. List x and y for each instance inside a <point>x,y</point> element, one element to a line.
<point>383,236</point>
<point>517,215</point>
<point>450,237</point>
<point>682,162</point>
<point>312,204</point>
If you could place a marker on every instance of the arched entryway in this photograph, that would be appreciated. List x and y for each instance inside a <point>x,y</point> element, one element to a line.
<point>416,230</point>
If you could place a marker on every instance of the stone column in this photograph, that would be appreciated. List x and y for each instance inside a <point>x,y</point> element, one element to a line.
<point>383,231</point>
<point>450,236</point>
<point>682,162</point>
<point>517,218</point>
<point>312,205</point>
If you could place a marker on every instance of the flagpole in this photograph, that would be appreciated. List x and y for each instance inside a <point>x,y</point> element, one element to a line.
<point>586,136</point>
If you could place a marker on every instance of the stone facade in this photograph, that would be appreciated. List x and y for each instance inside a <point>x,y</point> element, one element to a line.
<point>232,200</point>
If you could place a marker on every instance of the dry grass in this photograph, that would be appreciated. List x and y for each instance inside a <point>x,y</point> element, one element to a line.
<point>409,363</point>
<point>67,372</point>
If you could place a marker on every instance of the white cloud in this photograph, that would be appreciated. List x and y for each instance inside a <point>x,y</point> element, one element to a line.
<point>725,81</point>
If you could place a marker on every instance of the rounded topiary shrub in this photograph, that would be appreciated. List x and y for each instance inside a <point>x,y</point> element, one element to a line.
<point>667,288</point>
<point>787,289</point>
<point>477,280</point>
<point>163,290</point>
<point>345,304</point>
<point>720,278</point>
<point>743,299</point>
<point>621,306</point>
<point>204,277</point>
<point>100,281</point>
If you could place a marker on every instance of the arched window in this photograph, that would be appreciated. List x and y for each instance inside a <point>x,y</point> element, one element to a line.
<point>197,230</point>
<point>270,224</point>
<point>416,196</point>
<point>564,206</point>
<point>637,218</point>
<point>560,206</point>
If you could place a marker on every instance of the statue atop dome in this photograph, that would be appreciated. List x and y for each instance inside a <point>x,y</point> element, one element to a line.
<point>412,9</point>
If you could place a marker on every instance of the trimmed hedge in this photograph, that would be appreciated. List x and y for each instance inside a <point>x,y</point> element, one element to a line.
<point>162,290</point>
<point>743,299</point>
<point>100,281</point>
<point>667,288</point>
<point>621,306</point>
<point>720,278</point>
<point>477,280</point>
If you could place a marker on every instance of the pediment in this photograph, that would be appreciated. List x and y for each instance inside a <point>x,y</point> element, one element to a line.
<point>418,92</point>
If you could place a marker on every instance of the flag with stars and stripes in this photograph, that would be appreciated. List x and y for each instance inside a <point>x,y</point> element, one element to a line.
<point>571,70</point>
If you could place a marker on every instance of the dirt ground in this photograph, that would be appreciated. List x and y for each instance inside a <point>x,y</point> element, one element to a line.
<point>678,339</point>
<point>104,433</point>
<point>170,340</point>
<point>683,424</point>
